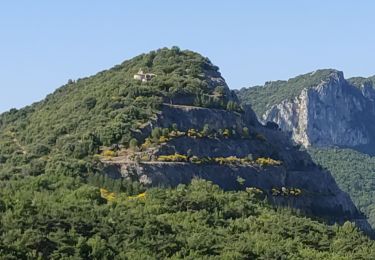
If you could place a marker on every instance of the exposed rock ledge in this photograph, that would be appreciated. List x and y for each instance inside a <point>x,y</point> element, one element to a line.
<point>332,113</point>
<point>320,194</point>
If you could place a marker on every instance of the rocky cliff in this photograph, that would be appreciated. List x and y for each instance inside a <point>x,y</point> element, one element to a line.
<point>324,109</point>
<point>294,182</point>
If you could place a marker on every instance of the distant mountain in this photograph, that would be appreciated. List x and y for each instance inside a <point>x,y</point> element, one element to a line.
<point>74,163</point>
<point>331,116</point>
<point>320,108</point>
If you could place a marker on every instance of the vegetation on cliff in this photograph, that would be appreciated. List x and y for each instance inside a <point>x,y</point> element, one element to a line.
<point>262,98</point>
<point>361,81</point>
<point>353,171</point>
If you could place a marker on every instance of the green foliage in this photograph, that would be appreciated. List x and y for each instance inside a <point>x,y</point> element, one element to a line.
<point>283,191</point>
<point>240,180</point>
<point>354,172</point>
<point>173,158</point>
<point>104,109</point>
<point>162,135</point>
<point>262,98</point>
<point>56,217</point>
<point>206,130</point>
<point>231,160</point>
<point>133,144</point>
<point>90,102</point>
<point>156,133</point>
<point>245,132</point>
<point>125,186</point>
<point>210,101</point>
<point>360,81</point>
<point>233,106</point>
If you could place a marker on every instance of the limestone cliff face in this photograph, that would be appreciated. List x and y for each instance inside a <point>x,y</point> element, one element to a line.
<point>320,194</point>
<point>331,113</point>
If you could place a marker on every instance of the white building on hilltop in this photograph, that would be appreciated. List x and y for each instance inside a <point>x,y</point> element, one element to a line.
<point>144,77</point>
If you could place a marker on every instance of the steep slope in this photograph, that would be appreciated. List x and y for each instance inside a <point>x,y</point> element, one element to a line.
<point>73,122</point>
<point>327,116</point>
<point>264,159</point>
<point>320,108</point>
<point>354,172</point>
<point>181,122</point>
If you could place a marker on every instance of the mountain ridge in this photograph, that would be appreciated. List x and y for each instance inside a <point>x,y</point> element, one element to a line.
<point>350,102</point>
<point>334,121</point>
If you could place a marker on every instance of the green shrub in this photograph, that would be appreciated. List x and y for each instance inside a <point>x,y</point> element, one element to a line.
<point>173,158</point>
<point>133,144</point>
<point>267,162</point>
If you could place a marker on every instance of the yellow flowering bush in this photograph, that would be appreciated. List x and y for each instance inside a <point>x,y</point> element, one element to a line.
<point>163,139</point>
<point>109,196</point>
<point>109,153</point>
<point>146,144</point>
<point>173,158</point>
<point>139,196</point>
<point>226,133</point>
<point>267,161</point>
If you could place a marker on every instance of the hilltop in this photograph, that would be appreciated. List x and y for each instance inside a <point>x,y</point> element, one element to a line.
<point>130,140</point>
<point>73,122</point>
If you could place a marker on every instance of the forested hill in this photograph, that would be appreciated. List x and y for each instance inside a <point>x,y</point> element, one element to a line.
<point>58,202</point>
<point>104,109</point>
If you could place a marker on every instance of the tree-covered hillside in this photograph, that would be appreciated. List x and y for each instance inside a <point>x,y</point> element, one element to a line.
<point>360,81</point>
<point>355,174</point>
<point>56,217</point>
<point>273,92</point>
<point>70,124</point>
<point>55,204</point>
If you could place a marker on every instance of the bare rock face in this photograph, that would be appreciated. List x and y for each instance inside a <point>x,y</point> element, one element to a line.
<point>332,113</point>
<point>320,194</point>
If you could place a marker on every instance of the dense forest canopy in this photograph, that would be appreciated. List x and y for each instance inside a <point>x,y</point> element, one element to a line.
<point>55,217</point>
<point>355,174</point>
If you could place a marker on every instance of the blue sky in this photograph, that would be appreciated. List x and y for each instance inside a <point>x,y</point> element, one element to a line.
<point>45,43</point>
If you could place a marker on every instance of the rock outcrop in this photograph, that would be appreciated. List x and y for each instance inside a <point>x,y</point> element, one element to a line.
<point>331,112</point>
<point>320,196</point>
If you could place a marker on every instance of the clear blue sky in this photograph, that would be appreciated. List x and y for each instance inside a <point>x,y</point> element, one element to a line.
<point>45,43</point>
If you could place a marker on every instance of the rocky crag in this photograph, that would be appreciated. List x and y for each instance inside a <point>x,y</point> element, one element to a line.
<point>321,108</point>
